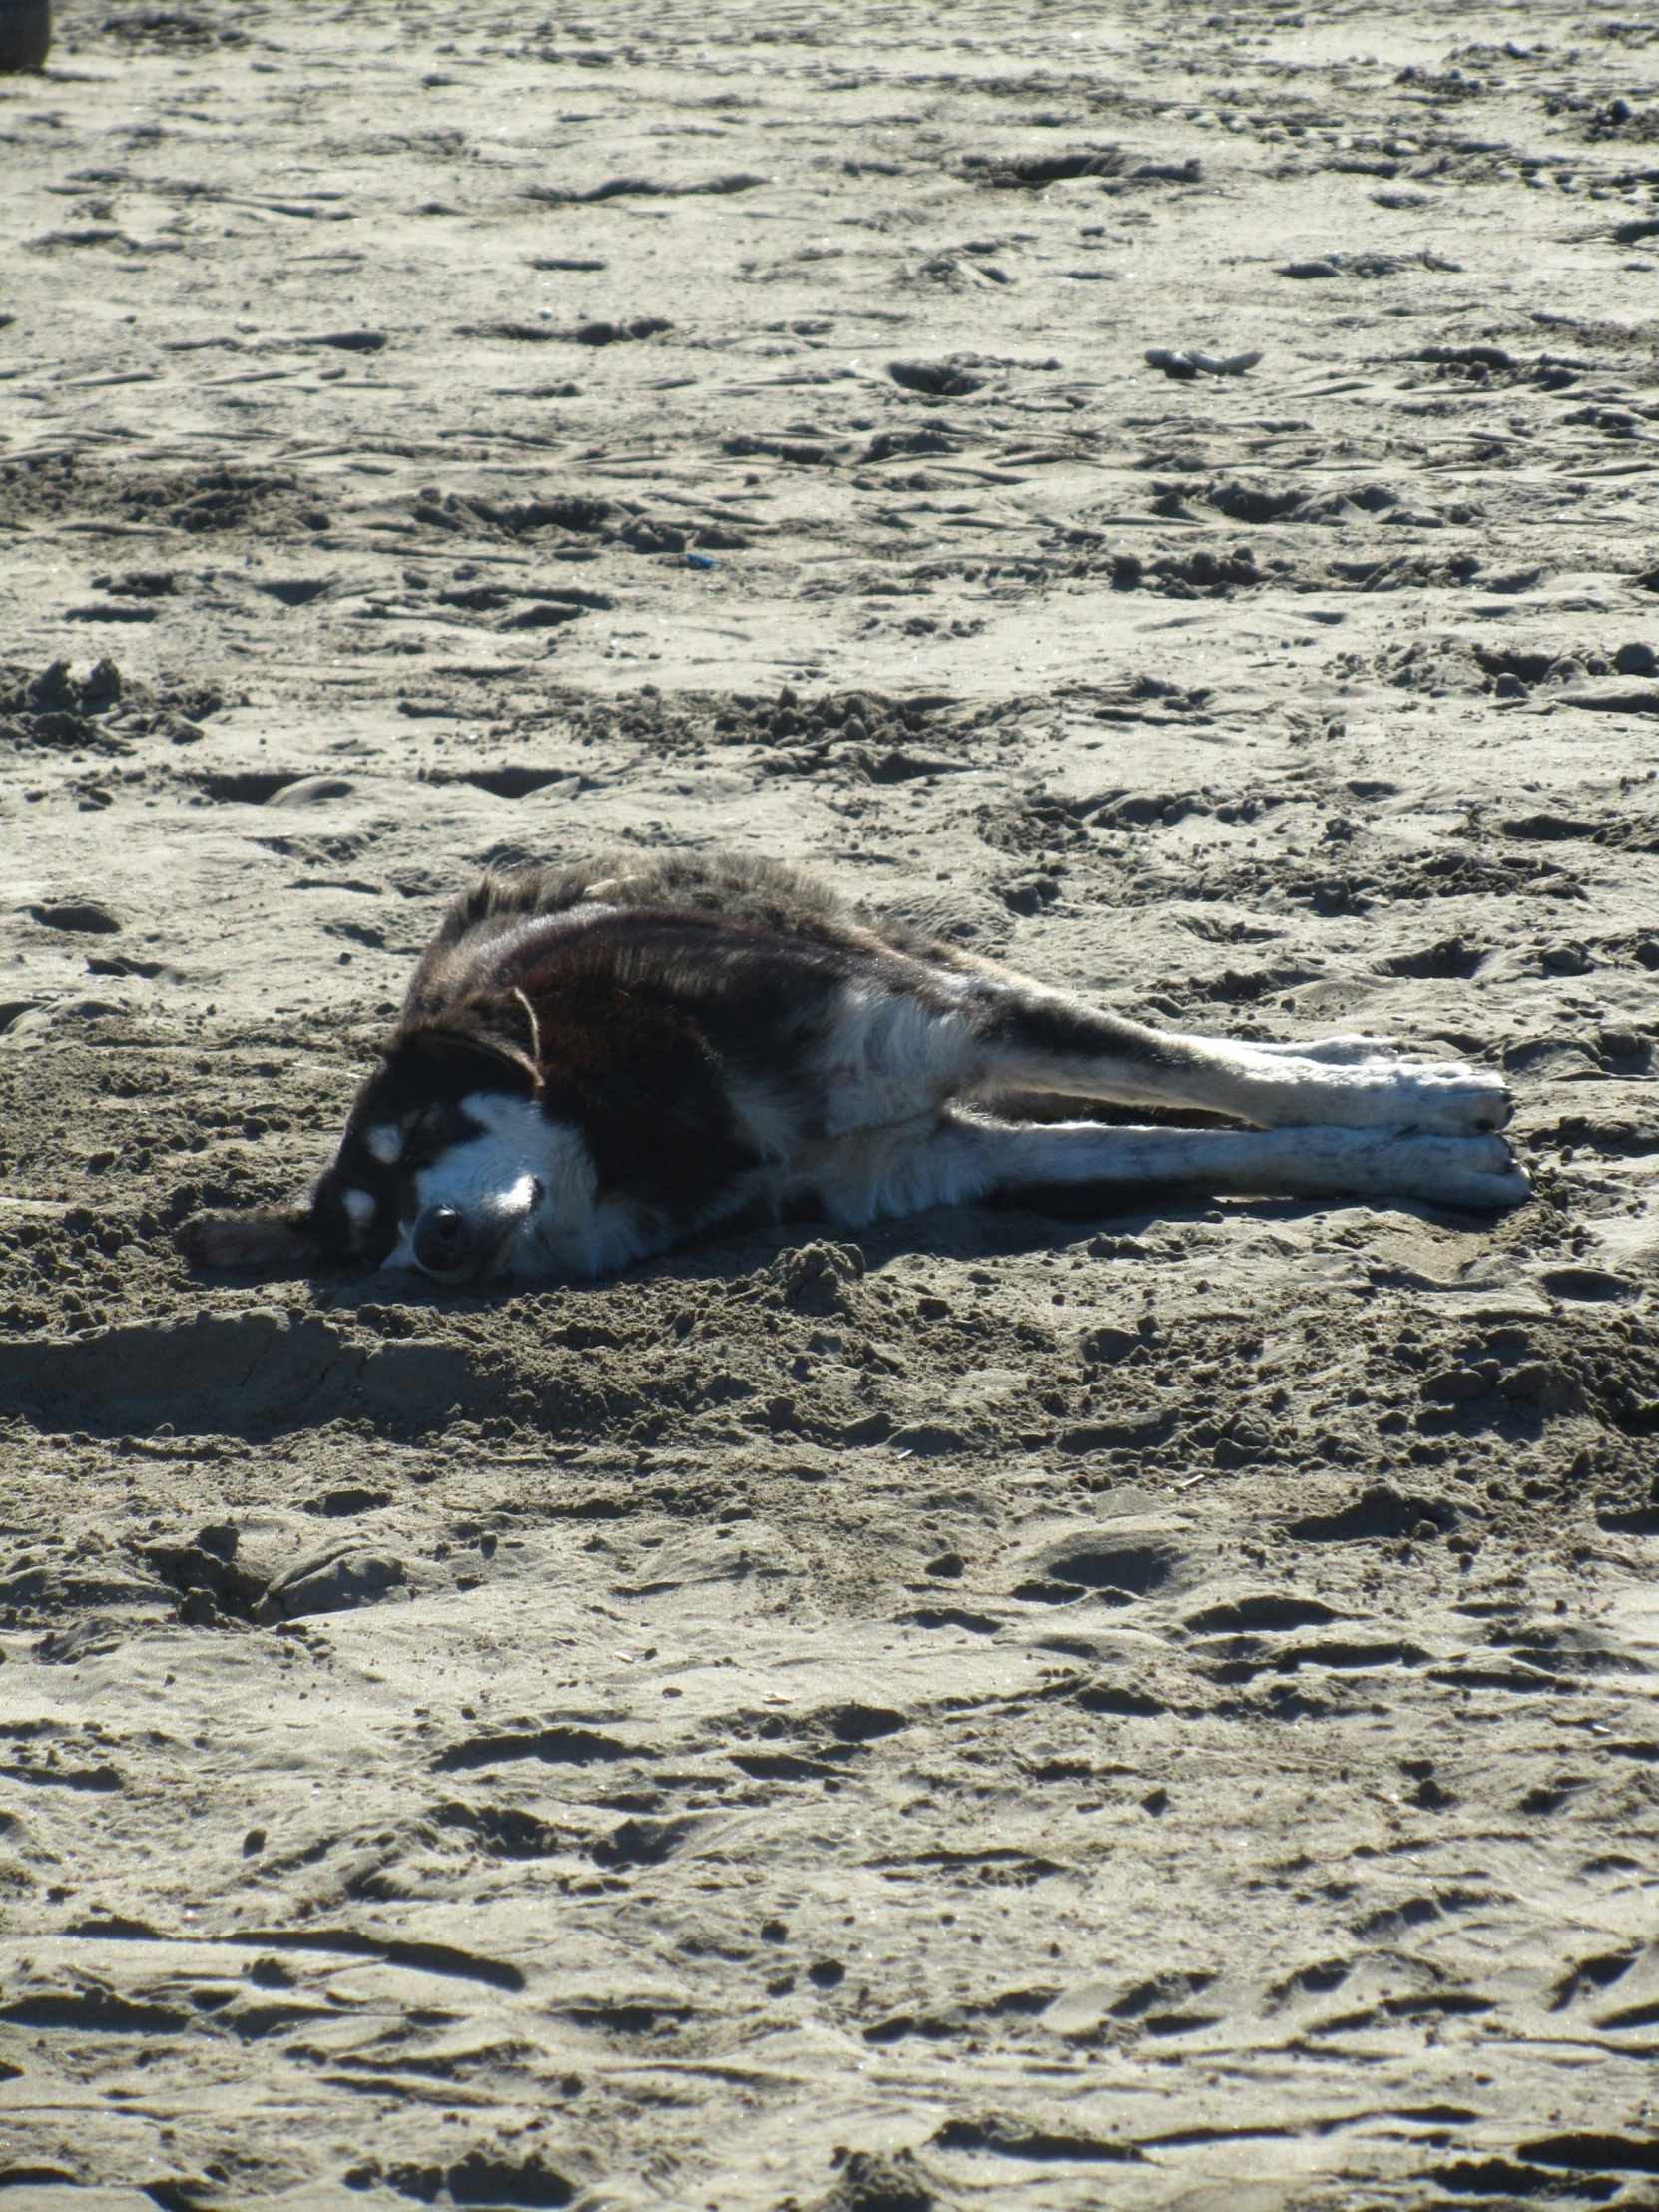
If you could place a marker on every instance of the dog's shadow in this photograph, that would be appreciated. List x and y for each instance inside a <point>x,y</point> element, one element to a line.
<point>986,1231</point>
<point>410,1354</point>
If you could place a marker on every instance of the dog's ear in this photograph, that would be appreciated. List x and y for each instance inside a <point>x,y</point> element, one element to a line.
<point>268,1238</point>
<point>500,1027</point>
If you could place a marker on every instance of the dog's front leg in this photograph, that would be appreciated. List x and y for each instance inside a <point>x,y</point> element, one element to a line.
<point>1033,1039</point>
<point>884,1173</point>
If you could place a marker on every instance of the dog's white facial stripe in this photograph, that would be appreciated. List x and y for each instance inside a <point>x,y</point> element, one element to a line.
<point>359,1209</point>
<point>384,1144</point>
<point>526,1179</point>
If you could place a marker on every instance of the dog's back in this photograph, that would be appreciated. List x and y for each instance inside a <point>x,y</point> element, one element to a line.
<point>758,893</point>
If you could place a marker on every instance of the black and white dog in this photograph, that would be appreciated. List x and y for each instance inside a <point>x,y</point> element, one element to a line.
<point>594,1063</point>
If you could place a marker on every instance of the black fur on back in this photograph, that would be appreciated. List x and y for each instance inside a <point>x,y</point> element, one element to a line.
<point>759,895</point>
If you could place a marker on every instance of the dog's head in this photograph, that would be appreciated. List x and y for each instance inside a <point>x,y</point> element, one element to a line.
<point>445,1162</point>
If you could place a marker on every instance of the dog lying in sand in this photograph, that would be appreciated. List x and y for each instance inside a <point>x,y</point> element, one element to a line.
<point>594,1063</point>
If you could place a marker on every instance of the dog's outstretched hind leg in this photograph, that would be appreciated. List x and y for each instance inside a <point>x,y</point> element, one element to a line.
<point>1034,1039</point>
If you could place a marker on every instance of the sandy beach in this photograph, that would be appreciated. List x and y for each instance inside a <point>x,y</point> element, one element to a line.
<point>1151,1711</point>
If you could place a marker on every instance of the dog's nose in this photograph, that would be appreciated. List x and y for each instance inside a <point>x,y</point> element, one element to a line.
<point>442,1243</point>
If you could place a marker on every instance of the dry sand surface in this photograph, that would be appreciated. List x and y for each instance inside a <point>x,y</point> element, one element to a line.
<point>1146,1710</point>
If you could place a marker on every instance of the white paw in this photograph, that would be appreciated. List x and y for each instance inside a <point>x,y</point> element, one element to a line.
<point>1446,1097</point>
<point>1478,1172</point>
